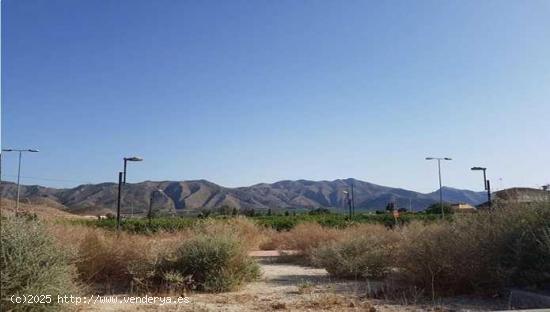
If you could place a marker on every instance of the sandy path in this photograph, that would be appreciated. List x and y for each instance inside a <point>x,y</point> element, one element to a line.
<point>282,287</point>
<point>289,287</point>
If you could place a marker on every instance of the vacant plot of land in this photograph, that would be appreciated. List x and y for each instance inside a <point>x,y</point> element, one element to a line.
<point>219,264</point>
<point>291,287</point>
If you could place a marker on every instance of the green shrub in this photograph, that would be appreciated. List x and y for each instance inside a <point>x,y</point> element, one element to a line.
<point>32,264</point>
<point>436,209</point>
<point>275,221</point>
<point>142,226</point>
<point>279,223</point>
<point>214,263</point>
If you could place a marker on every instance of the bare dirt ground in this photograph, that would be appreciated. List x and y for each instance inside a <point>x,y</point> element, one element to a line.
<point>291,287</point>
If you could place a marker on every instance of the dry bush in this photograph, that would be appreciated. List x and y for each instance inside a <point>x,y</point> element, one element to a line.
<point>482,252</point>
<point>525,244</point>
<point>361,251</point>
<point>213,262</point>
<point>272,239</point>
<point>163,261</point>
<point>242,228</point>
<point>116,260</point>
<point>306,238</point>
<point>303,238</point>
<point>31,264</point>
<point>106,257</point>
<point>424,253</point>
<point>446,258</point>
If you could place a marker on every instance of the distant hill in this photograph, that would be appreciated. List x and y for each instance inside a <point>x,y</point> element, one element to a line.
<point>43,210</point>
<point>180,196</point>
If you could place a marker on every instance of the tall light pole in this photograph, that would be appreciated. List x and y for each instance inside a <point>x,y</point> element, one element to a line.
<point>121,182</point>
<point>120,174</point>
<point>348,200</point>
<point>486,183</point>
<point>20,151</point>
<point>439,159</point>
<point>353,198</point>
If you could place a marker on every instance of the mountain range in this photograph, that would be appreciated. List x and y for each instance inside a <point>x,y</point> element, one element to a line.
<point>187,196</point>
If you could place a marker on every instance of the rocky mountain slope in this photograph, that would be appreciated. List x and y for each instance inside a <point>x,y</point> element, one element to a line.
<point>202,194</point>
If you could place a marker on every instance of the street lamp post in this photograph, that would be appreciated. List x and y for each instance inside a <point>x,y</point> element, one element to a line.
<point>348,200</point>
<point>439,159</point>
<point>20,151</point>
<point>120,174</point>
<point>121,182</point>
<point>486,183</point>
<point>353,198</point>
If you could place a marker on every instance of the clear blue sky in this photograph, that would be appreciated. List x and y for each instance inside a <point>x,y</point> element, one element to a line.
<point>241,92</point>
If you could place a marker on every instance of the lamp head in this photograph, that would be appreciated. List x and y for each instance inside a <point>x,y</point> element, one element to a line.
<point>133,158</point>
<point>478,168</point>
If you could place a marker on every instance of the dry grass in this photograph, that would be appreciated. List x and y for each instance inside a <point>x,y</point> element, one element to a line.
<point>332,302</point>
<point>305,287</point>
<point>303,238</point>
<point>474,253</point>
<point>480,252</point>
<point>250,234</point>
<point>113,260</point>
<point>306,238</point>
<point>136,263</point>
<point>483,252</point>
<point>363,251</point>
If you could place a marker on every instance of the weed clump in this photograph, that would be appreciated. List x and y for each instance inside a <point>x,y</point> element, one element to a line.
<point>365,251</point>
<point>212,256</point>
<point>251,236</point>
<point>31,264</point>
<point>213,263</point>
<point>304,238</point>
<point>480,253</point>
